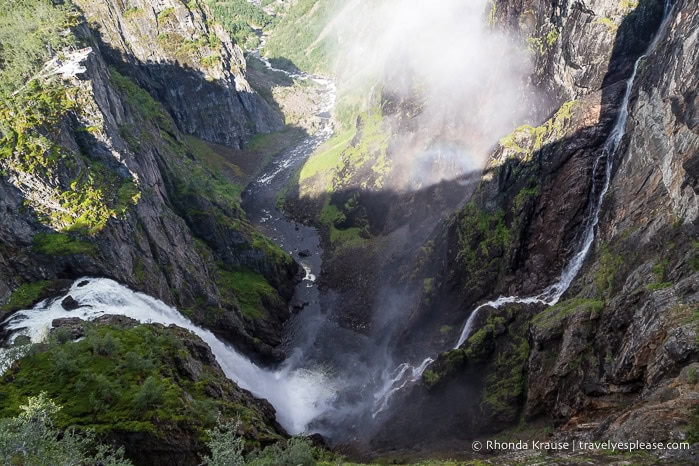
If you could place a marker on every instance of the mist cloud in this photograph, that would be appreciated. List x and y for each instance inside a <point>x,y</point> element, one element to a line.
<point>464,80</point>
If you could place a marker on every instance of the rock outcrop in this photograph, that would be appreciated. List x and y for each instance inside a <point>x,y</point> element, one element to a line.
<point>185,60</point>
<point>148,388</point>
<point>133,196</point>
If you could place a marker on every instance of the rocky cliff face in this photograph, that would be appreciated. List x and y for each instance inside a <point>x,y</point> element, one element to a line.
<point>188,62</point>
<point>616,358</point>
<point>112,185</point>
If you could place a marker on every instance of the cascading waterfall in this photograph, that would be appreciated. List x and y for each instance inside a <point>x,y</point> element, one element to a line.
<point>300,392</point>
<point>552,293</point>
<point>298,395</point>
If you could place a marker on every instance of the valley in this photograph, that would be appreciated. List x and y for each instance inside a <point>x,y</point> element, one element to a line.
<point>322,232</point>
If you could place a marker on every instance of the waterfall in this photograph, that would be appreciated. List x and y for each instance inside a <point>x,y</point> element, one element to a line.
<point>298,395</point>
<point>552,293</point>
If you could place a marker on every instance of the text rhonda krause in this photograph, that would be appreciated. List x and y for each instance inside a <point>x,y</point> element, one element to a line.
<point>581,445</point>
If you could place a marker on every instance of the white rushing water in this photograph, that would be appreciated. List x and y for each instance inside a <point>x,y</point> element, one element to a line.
<point>299,396</point>
<point>552,293</point>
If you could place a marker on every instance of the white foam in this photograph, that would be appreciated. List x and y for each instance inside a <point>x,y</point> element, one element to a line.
<point>299,396</point>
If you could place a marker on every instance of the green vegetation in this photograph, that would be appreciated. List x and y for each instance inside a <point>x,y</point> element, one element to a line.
<point>294,452</point>
<point>523,196</point>
<point>30,126</point>
<point>26,295</point>
<point>552,37</point>
<point>206,191</point>
<point>132,11</point>
<point>524,141</point>
<point>25,120</point>
<point>324,162</point>
<point>227,449</point>
<point>30,438</point>
<point>165,14</point>
<point>658,271</point>
<point>61,244</point>
<point>535,46</point>
<point>141,101</point>
<point>628,5</point>
<point>553,316</point>
<point>31,32</point>
<point>240,18</point>
<point>298,38</point>
<point>124,380</point>
<point>202,174</point>
<point>95,196</point>
<point>475,350</point>
<point>491,13</point>
<point>248,289</point>
<point>506,384</point>
<point>360,153</point>
<point>486,230</point>
<point>611,25</point>
<point>609,265</point>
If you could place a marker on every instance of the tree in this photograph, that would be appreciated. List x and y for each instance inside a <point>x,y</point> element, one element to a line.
<point>31,438</point>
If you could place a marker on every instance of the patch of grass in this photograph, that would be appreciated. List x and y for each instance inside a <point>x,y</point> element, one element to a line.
<point>524,141</point>
<point>249,289</point>
<point>165,14</point>
<point>325,160</point>
<point>61,244</point>
<point>553,316</point>
<point>611,25</point>
<point>297,36</point>
<point>658,270</point>
<point>552,37</point>
<point>535,46</point>
<point>26,295</point>
<point>141,101</point>
<point>132,11</point>
<point>211,159</point>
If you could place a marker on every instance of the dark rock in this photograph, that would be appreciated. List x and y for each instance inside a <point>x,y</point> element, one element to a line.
<point>74,325</point>
<point>304,253</point>
<point>317,440</point>
<point>83,283</point>
<point>69,303</point>
<point>22,340</point>
<point>297,306</point>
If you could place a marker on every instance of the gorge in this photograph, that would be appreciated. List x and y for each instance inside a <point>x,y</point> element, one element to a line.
<point>395,229</point>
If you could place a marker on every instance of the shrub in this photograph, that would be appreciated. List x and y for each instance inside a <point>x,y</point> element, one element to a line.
<point>296,452</point>
<point>225,445</point>
<point>150,395</point>
<point>30,438</point>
